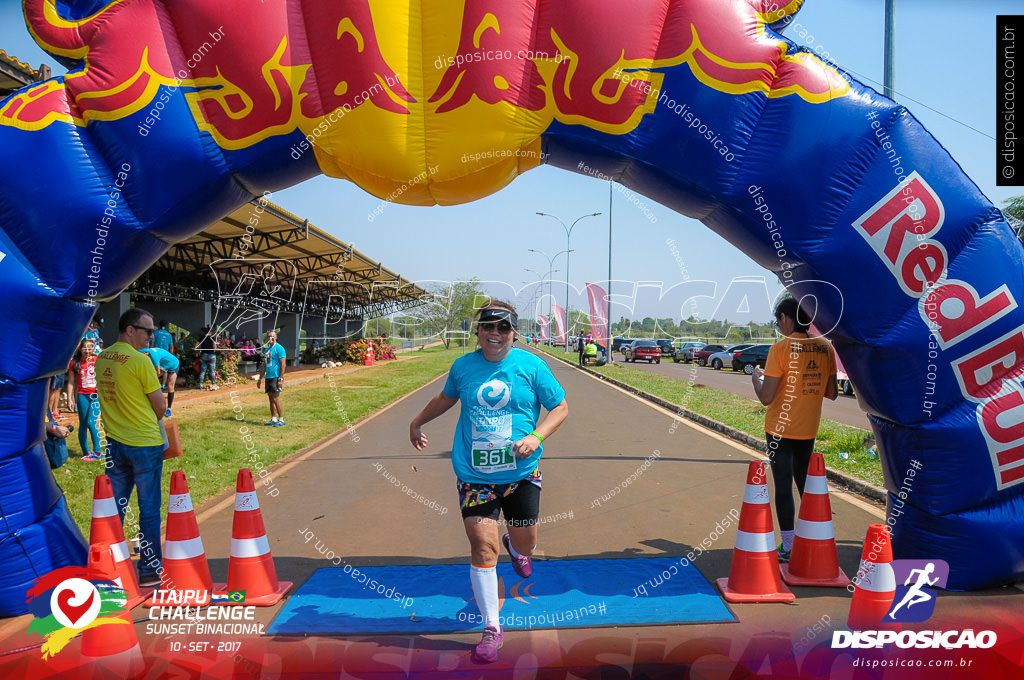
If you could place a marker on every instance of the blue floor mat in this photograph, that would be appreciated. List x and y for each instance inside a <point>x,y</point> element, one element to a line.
<point>560,593</point>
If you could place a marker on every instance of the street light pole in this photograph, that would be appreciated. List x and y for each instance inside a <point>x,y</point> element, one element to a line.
<point>568,233</point>
<point>551,270</point>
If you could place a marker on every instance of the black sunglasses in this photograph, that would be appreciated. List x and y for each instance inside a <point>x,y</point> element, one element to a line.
<point>500,326</point>
<point>149,331</point>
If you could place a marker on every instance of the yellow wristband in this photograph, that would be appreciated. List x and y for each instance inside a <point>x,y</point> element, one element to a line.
<point>534,433</point>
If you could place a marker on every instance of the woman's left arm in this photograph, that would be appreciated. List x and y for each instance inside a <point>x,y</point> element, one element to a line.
<point>525,447</point>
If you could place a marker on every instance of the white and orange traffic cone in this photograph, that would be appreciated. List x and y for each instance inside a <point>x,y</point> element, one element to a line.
<point>186,580</point>
<point>110,643</point>
<point>105,527</point>
<point>754,573</point>
<point>369,353</point>
<point>875,583</point>
<point>251,566</point>
<point>814,560</point>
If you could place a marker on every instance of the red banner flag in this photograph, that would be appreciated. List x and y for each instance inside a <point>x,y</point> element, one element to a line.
<point>544,326</point>
<point>560,326</point>
<point>598,310</point>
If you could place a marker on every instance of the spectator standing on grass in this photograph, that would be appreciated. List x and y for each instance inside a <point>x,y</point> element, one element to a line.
<point>800,371</point>
<point>581,348</point>
<point>163,339</point>
<point>82,384</point>
<point>133,407</point>
<point>166,365</point>
<point>496,453</point>
<point>207,357</point>
<point>275,359</point>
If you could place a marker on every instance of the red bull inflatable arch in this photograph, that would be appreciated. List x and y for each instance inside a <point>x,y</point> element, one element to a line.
<point>176,112</point>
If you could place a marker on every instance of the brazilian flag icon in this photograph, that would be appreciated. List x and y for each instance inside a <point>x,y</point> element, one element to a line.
<point>236,596</point>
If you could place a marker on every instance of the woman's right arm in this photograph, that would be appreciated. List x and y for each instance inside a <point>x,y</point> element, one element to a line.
<point>437,406</point>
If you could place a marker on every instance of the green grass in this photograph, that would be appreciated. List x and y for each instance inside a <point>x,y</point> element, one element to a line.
<point>211,433</point>
<point>747,415</point>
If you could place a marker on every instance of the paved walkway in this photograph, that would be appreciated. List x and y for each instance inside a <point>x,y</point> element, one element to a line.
<point>335,490</point>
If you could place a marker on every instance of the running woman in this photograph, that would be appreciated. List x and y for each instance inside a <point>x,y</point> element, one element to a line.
<point>496,451</point>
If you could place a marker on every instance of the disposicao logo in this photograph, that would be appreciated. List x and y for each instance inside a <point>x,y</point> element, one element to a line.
<point>70,600</point>
<point>914,601</point>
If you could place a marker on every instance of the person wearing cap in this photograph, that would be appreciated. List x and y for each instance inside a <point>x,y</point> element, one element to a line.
<point>496,452</point>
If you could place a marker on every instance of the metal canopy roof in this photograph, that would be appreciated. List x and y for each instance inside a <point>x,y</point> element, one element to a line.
<point>15,74</point>
<point>304,268</point>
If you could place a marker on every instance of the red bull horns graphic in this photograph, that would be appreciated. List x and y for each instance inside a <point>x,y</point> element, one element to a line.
<point>245,76</point>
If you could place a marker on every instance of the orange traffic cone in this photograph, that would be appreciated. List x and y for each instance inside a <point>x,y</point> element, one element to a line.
<point>815,559</point>
<point>106,528</point>
<point>754,573</point>
<point>251,566</point>
<point>110,643</point>
<point>369,353</point>
<point>186,580</point>
<point>875,583</point>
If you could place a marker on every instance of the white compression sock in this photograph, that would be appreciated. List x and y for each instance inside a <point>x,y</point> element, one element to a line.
<point>485,588</point>
<point>512,549</point>
<point>787,539</point>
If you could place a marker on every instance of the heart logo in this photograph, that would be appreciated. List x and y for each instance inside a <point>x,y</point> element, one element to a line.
<point>73,612</point>
<point>75,603</point>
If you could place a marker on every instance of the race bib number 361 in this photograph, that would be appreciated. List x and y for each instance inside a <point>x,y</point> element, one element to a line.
<point>493,460</point>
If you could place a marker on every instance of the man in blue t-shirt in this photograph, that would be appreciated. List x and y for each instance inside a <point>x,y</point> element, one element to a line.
<point>166,365</point>
<point>273,369</point>
<point>163,339</point>
<point>496,452</point>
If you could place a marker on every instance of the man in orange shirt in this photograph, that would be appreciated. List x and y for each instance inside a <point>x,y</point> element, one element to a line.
<point>799,372</point>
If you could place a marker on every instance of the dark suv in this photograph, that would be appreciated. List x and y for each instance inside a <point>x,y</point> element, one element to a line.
<point>745,360</point>
<point>667,348</point>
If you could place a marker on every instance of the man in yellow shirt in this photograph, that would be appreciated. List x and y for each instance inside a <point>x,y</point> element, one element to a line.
<point>133,405</point>
<point>798,373</point>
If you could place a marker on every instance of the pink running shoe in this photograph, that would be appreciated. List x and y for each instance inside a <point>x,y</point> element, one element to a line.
<point>522,564</point>
<point>490,643</point>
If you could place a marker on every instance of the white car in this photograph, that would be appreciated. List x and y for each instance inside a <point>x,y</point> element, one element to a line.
<point>724,358</point>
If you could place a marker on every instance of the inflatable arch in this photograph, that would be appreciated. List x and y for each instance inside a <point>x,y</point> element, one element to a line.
<point>175,113</point>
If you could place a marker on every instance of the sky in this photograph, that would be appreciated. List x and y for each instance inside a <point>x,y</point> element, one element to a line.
<point>945,75</point>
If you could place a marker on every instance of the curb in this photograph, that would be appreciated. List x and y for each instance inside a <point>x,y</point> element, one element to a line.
<point>851,483</point>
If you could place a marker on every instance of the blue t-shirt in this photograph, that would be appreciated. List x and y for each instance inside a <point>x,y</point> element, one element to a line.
<point>500,404</point>
<point>162,358</point>
<point>162,339</point>
<point>274,355</point>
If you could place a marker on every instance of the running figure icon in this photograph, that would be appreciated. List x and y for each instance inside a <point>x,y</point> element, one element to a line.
<point>915,595</point>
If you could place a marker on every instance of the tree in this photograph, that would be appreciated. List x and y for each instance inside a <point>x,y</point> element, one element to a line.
<point>450,307</point>
<point>1014,212</point>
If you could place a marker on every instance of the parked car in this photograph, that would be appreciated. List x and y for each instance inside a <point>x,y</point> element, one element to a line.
<point>701,356</point>
<point>746,359</point>
<point>642,349</point>
<point>618,342</point>
<point>724,358</point>
<point>667,349</point>
<point>686,351</point>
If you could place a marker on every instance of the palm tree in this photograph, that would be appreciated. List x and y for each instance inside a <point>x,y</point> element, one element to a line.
<point>1014,211</point>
